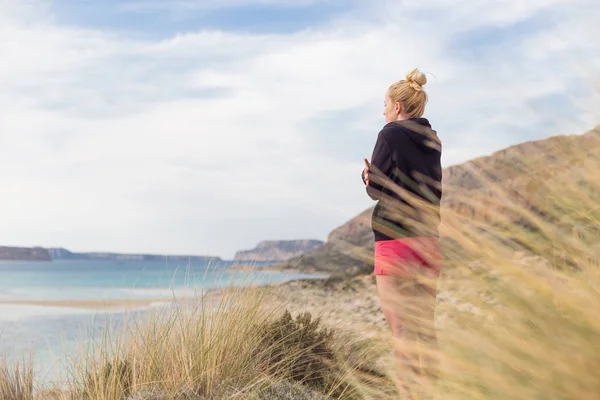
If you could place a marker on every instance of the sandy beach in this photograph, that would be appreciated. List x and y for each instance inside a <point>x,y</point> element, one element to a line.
<point>351,304</point>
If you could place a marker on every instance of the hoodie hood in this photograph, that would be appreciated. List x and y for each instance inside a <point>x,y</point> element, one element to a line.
<point>420,132</point>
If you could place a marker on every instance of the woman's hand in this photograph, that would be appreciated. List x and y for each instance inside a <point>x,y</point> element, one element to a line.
<point>366,173</point>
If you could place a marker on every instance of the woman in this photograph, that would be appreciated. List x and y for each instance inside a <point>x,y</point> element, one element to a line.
<point>404,176</point>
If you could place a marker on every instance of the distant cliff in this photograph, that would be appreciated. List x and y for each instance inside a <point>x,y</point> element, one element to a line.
<point>64,254</point>
<point>24,254</point>
<point>277,250</point>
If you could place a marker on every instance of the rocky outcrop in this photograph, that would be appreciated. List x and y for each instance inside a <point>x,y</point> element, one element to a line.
<point>24,254</point>
<point>277,250</point>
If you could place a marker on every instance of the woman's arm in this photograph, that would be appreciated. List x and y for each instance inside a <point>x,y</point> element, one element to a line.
<point>379,168</point>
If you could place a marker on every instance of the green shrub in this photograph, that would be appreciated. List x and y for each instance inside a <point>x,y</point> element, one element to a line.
<point>298,350</point>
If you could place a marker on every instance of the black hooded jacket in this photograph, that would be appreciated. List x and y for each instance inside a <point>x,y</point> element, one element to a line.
<point>406,167</point>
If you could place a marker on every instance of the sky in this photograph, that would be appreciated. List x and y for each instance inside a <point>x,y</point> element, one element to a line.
<point>204,127</point>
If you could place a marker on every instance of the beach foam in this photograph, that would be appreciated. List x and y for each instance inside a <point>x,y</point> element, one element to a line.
<point>14,312</point>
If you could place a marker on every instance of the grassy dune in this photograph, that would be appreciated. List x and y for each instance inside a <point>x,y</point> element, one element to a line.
<point>530,273</point>
<point>246,346</point>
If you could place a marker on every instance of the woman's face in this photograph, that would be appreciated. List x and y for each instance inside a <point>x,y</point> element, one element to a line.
<point>391,110</point>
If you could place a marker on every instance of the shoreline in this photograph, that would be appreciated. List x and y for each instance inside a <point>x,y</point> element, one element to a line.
<point>340,303</point>
<point>141,303</point>
<point>100,304</point>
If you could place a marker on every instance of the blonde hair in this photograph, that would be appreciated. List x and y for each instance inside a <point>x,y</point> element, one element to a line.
<point>410,93</point>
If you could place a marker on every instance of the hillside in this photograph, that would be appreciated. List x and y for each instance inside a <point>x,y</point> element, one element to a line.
<point>24,254</point>
<point>518,172</point>
<point>277,250</point>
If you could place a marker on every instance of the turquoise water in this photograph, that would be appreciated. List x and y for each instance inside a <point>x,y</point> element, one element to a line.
<point>93,280</point>
<point>52,332</point>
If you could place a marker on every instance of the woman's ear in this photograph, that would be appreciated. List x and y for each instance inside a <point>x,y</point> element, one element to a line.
<point>398,107</point>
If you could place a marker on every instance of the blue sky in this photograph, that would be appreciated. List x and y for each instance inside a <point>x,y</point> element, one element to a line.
<point>203,127</point>
<point>157,19</point>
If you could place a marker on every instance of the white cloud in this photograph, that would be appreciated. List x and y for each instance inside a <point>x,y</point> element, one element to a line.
<point>462,15</point>
<point>207,142</point>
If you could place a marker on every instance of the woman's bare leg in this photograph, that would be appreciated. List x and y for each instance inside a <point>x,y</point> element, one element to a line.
<point>394,294</point>
<point>409,306</point>
<point>427,333</point>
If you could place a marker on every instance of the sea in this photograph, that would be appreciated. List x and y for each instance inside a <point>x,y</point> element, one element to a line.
<point>50,334</point>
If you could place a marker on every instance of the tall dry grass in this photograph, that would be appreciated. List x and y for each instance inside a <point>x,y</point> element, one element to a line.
<point>16,380</point>
<point>238,344</point>
<point>519,296</point>
<point>533,276</point>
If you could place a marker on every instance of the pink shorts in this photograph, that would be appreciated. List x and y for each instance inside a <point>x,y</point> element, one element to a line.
<point>408,257</point>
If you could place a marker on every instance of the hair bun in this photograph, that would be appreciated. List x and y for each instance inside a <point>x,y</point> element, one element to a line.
<point>416,79</point>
